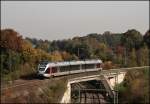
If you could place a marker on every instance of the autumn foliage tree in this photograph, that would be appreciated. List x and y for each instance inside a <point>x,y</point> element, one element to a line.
<point>147,41</point>
<point>28,53</point>
<point>10,39</point>
<point>147,38</point>
<point>10,45</point>
<point>132,39</point>
<point>19,57</point>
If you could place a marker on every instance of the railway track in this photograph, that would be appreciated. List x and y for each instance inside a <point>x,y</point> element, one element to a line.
<point>33,81</point>
<point>86,92</point>
<point>92,98</point>
<point>18,83</point>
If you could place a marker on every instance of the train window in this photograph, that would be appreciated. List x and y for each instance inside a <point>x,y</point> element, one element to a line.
<point>74,67</point>
<point>64,68</point>
<point>84,66</point>
<point>90,66</point>
<point>41,69</point>
<point>43,63</point>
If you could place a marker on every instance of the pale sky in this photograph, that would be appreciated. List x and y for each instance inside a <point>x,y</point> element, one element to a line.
<point>53,20</point>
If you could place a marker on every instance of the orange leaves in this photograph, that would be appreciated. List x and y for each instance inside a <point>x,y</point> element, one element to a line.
<point>27,46</point>
<point>59,56</point>
<point>10,39</point>
<point>66,56</point>
<point>42,55</point>
<point>27,51</point>
<point>108,65</point>
<point>56,56</point>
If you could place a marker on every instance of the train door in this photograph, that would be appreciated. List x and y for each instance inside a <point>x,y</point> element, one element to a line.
<point>53,70</point>
<point>98,65</point>
<point>48,71</point>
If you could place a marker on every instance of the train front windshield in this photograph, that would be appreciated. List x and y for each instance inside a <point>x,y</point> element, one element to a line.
<point>42,65</point>
<point>43,62</point>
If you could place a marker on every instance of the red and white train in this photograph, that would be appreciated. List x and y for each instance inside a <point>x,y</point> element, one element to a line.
<point>48,69</point>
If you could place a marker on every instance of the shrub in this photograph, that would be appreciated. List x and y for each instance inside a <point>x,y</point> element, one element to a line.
<point>55,90</point>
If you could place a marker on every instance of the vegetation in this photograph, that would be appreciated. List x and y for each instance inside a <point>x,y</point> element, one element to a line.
<point>55,91</point>
<point>50,91</point>
<point>20,56</point>
<point>135,88</point>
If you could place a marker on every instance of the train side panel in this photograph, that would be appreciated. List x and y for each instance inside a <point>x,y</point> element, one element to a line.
<point>70,68</point>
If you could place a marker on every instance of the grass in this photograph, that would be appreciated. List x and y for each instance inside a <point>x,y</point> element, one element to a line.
<point>22,70</point>
<point>55,90</point>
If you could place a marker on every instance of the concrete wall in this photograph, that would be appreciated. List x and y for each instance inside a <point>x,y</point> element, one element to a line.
<point>120,78</point>
<point>67,95</point>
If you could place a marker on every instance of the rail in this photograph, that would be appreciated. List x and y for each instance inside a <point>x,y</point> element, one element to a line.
<point>103,71</point>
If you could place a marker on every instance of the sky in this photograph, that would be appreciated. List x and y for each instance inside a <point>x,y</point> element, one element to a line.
<point>57,20</point>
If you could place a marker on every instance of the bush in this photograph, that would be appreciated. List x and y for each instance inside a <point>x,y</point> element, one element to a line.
<point>135,88</point>
<point>55,90</point>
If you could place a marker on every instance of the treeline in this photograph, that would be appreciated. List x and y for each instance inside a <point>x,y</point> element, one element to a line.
<point>123,49</point>
<point>21,56</point>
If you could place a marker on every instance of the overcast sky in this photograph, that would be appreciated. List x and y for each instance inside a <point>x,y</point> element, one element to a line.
<point>54,20</point>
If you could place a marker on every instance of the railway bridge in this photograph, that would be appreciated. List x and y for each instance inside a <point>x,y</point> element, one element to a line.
<point>79,89</point>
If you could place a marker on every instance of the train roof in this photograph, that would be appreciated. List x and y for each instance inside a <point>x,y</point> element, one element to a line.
<point>67,63</point>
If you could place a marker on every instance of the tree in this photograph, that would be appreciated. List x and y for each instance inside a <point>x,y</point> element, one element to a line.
<point>147,41</point>
<point>66,56</point>
<point>82,51</point>
<point>147,38</point>
<point>132,39</point>
<point>28,53</point>
<point>104,53</point>
<point>132,58</point>
<point>10,39</point>
<point>143,56</point>
<point>56,56</point>
<point>44,45</point>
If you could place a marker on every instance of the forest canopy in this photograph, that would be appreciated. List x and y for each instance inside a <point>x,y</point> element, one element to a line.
<point>22,55</point>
